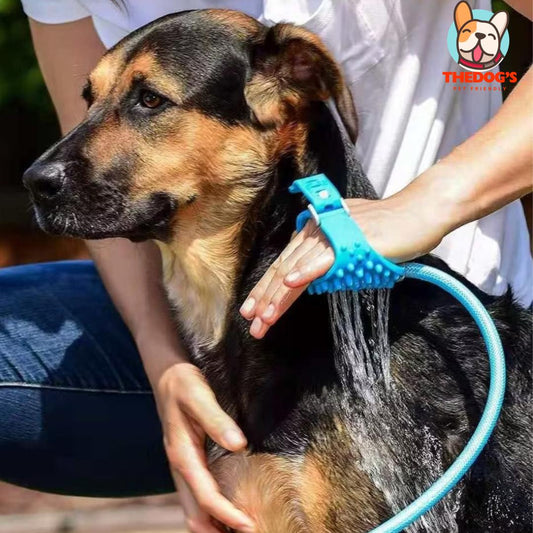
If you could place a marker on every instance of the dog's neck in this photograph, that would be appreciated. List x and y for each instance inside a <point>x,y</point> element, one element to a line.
<point>199,275</point>
<point>202,270</point>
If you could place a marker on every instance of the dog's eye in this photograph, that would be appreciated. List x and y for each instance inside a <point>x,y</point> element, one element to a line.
<point>492,35</point>
<point>150,99</point>
<point>466,31</point>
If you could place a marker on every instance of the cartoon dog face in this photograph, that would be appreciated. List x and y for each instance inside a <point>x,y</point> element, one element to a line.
<point>478,41</point>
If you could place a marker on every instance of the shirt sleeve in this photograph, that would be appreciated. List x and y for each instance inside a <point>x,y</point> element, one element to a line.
<point>55,11</point>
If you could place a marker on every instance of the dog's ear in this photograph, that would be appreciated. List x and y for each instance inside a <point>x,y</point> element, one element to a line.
<point>292,68</point>
<point>500,21</point>
<point>462,14</point>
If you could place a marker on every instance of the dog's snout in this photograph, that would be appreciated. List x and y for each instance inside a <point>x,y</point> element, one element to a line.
<point>480,35</point>
<point>44,180</point>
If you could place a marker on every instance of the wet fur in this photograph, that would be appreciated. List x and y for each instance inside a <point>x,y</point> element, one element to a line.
<point>209,181</point>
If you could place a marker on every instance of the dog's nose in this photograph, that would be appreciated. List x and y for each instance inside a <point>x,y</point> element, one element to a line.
<point>480,35</point>
<point>44,180</point>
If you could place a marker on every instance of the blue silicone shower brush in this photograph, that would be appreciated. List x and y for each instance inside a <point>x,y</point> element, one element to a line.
<point>357,266</point>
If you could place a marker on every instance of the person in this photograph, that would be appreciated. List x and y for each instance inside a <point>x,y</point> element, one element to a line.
<point>79,413</point>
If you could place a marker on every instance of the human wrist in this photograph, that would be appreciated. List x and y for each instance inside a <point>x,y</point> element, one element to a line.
<point>444,195</point>
<point>159,353</point>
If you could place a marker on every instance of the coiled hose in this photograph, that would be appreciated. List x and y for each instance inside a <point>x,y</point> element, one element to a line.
<point>490,415</point>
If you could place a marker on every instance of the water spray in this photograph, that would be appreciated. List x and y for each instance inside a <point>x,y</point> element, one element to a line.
<point>358,267</point>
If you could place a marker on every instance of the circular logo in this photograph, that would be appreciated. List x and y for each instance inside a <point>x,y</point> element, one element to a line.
<point>478,39</point>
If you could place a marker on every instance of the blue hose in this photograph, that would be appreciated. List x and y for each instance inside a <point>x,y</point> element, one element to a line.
<point>488,420</point>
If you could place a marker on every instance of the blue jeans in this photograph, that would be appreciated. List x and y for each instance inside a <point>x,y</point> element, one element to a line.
<point>77,415</point>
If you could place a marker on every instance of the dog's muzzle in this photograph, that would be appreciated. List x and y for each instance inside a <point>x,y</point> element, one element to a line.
<point>45,180</point>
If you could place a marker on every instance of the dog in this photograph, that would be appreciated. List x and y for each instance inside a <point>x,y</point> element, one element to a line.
<point>479,41</point>
<point>197,124</point>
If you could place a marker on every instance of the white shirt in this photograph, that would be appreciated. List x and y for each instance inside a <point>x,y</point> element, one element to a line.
<point>393,54</point>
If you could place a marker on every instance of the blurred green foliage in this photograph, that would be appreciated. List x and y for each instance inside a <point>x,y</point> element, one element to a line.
<point>21,83</point>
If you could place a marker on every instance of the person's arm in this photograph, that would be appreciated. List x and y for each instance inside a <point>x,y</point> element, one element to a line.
<point>524,7</point>
<point>132,275</point>
<point>489,170</point>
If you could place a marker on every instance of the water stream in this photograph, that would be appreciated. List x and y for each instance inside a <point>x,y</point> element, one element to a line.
<point>401,458</point>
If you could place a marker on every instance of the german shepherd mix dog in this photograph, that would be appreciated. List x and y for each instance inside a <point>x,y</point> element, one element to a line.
<point>197,125</point>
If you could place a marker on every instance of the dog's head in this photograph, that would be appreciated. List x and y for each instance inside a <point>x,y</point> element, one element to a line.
<point>478,40</point>
<point>186,117</point>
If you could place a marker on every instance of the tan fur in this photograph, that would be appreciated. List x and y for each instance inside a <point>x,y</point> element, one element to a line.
<point>316,493</point>
<point>303,71</point>
<point>112,77</point>
<point>103,77</point>
<point>267,488</point>
<point>147,66</point>
<point>300,494</point>
<point>204,249</point>
<point>110,80</point>
<point>235,21</point>
<point>112,140</point>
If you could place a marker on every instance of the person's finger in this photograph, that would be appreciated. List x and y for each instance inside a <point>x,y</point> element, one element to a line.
<point>202,525</point>
<point>312,265</point>
<point>202,405</point>
<point>187,457</point>
<point>249,306</point>
<point>205,490</point>
<point>198,521</point>
<point>258,328</point>
<point>263,308</point>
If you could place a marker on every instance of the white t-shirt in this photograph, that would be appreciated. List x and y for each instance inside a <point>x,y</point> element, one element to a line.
<point>393,54</point>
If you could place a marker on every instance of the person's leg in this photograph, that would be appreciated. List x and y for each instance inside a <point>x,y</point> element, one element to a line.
<point>77,415</point>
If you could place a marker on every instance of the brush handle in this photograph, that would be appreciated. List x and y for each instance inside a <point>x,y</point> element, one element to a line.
<point>357,265</point>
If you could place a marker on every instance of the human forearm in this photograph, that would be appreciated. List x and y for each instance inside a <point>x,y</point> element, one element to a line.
<point>131,273</point>
<point>486,172</point>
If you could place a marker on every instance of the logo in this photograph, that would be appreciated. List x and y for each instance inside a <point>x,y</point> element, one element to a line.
<point>478,40</point>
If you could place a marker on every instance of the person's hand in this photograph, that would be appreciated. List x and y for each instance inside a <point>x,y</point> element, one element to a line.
<point>189,411</point>
<point>398,228</point>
